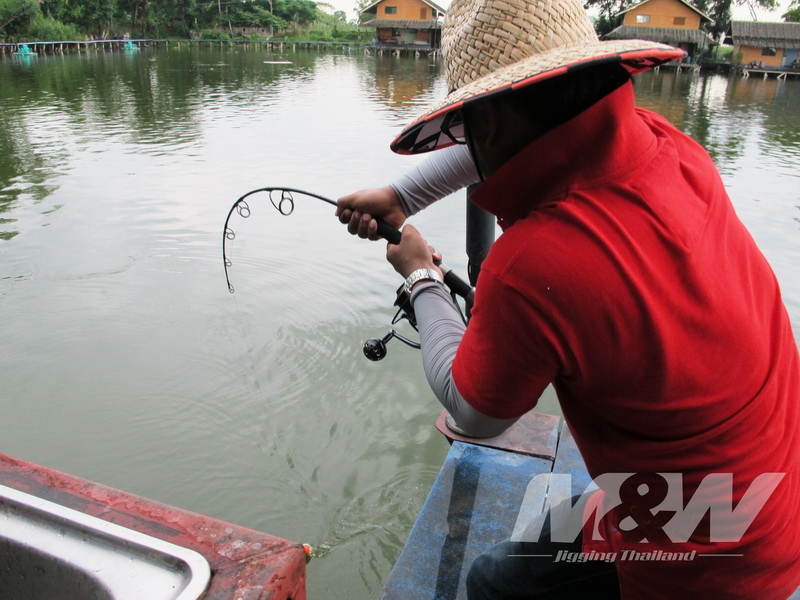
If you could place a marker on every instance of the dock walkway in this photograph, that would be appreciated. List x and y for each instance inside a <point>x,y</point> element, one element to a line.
<point>276,45</point>
<point>65,46</point>
<point>779,72</point>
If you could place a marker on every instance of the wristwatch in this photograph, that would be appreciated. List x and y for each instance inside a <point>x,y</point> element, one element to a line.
<point>421,275</point>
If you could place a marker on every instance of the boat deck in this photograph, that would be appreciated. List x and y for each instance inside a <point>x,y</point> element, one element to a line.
<point>482,495</point>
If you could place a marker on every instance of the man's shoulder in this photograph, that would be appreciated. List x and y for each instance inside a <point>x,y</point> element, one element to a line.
<point>536,247</point>
<point>661,126</point>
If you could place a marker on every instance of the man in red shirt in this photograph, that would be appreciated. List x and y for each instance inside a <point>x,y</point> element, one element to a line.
<point>624,278</point>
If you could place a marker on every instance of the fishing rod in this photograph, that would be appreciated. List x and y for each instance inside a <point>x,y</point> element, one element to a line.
<point>284,204</point>
<point>282,198</point>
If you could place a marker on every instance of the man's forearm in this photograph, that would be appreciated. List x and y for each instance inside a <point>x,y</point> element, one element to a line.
<point>441,329</point>
<point>442,173</point>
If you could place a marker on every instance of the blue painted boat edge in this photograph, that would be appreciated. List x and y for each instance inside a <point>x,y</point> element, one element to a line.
<point>480,496</point>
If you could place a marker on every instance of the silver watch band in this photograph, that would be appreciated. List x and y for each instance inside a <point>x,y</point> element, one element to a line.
<point>421,275</point>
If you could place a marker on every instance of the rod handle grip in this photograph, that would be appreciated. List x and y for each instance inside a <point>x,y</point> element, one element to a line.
<point>453,281</point>
<point>457,285</point>
<point>389,233</point>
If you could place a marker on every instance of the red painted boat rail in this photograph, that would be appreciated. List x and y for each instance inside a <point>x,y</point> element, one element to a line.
<point>245,564</point>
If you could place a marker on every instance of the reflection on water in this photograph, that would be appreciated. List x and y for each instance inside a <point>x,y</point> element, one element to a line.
<point>722,112</point>
<point>124,358</point>
<point>403,85</point>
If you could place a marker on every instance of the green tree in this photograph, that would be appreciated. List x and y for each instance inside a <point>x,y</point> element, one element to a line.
<point>301,12</point>
<point>793,14</point>
<point>255,13</point>
<point>46,29</point>
<point>360,6</point>
<point>100,15</point>
<point>720,12</point>
<point>176,16</point>
<point>269,14</point>
<point>17,15</point>
<point>94,17</point>
<point>607,11</point>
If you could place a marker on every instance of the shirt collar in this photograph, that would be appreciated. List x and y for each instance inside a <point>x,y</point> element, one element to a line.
<point>601,143</point>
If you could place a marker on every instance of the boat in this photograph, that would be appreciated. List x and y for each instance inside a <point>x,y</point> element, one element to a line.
<point>85,535</point>
<point>488,490</point>
<point>112,545</point>
<point>93,541</point>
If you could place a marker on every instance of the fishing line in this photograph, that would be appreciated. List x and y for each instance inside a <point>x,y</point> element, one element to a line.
<point>282,199</point>
<point>249,352</point>
<point>243,209</point>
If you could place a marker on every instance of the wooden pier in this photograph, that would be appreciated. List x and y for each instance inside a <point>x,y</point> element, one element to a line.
<point>679,67</point>
<point>778,72</point>
<point>65,47</point>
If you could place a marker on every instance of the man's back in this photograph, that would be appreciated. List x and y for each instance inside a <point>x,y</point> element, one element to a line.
<point>660,323</point>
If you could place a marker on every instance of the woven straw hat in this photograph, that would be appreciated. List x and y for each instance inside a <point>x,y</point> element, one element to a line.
<point>497,46</point>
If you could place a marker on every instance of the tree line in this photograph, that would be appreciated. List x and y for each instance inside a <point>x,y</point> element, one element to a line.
<point>50,20</point>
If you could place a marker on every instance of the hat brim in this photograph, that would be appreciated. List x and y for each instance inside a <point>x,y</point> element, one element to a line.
<point>426,133</point>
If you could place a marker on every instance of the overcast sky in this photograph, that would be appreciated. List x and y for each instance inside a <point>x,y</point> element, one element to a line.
<point>740,13</point>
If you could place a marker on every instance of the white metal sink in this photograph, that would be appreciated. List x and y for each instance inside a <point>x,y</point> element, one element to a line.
<point>51,552</point>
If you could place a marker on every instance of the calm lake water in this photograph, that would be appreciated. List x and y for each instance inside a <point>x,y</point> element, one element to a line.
<point>124,359</point>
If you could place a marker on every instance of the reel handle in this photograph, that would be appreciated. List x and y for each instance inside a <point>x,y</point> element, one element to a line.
<point>375,349</point>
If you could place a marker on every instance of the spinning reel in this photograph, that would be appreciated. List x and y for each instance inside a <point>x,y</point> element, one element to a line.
<point>375,348</point>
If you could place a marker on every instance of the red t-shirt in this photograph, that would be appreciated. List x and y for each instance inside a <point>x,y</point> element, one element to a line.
<point>625,278</point>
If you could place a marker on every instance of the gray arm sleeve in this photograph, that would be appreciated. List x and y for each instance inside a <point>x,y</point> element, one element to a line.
<point>441,330</point>
<point>442,173</point>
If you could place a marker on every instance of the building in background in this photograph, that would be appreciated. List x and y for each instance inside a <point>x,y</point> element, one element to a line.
<point>412,23</point>
<point>672,22</point>
<point>766,44</point>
